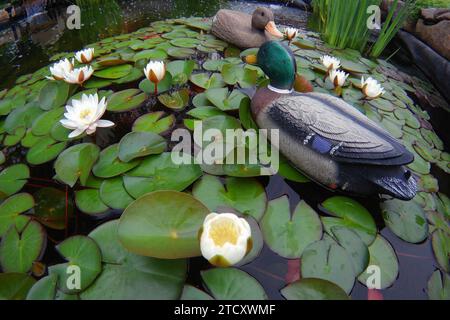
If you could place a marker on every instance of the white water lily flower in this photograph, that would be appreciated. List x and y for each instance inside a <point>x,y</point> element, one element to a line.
<point>155,71</point>
<point>371,88</point>
<point>331,63</point>
<point>85,56</point>
<point>225,239</point>
<point>338,77</point>
<point>59,69</point>
<point>84,115</point>
<point>79,75</point>
<point>290,33</point>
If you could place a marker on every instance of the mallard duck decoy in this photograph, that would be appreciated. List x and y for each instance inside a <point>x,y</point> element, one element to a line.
<point>244,30</point>
<point>325,137</point>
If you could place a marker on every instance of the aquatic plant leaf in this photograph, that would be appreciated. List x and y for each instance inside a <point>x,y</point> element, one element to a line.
<point>132,277</point>
<point>224,100</point>
<point>126,100</point>
<point>246,195</point>
<point>313,289</point>
<point>203,80</point>
<point>22,117</point>
<point>185,42</point>
<point>140,144</point>
<point>45,150</point>
<point>114,195</point>
<point>236,74</point>
<point>152,54</point>
<point>96,83</point>
<point>155,122</point>
<point>109,165</point>
<point>160,172</point>
<point>149,87</point>
<point>203,113</point>
<point>440,242</point>
<point>44,123</point>
<point>53,95</point>
<point>80,251</point>
<point>438,287</point>
<point>6,105</point>
<point>181,70</point>
<point>44,289</point>
<point>114,72</point>
<point>180,53</point>
<point>200,100</point>
<point>177,100</point>
<point>349,213</point>
<point>134,75</point>
<point>12,207</point>
<point>89,201</point>
<point>192,293</point>
<point>21,245</point>
<point>232,284</point>
<point>76,163</point>
<point>327,260</point>
<point>406,219</point>
<point>15,286</point>
<point>50,208</point>
<point>288,235</point>
<point>163,224</point>
<point>12,179</point>
<point>383,256</point>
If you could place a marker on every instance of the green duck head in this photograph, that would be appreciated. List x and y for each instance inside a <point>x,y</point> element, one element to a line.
<point>278,63</point>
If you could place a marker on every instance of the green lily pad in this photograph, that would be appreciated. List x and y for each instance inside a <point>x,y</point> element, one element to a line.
<point>181,70</point>
<point>149,87</point>
<point>44,289</point>
<point>288,235</point>
<point>140,144</point>
<point>21,246</point>
<point>153,54</point>
<point>160,172</point>
<point>44,151</point>
<point>441,247</point>
<point>44,123</point>
<point>203,113</point>
<point>76,163</point>
<point>232,284</point>
<point>163,224</point>
<point>185,42</point>
<point>406,219</point>
<point>200,100</point>
<point>134,75</point>
<point>154,122</point>
<point>236,74</point>
<point>203,80</point>
<point>224,100</point>
<point>114,72</point>
<point>89,201</point>
<point>12,179</point>
<point>246,195</point>
<point>13,139</point>
<point>109,165</point>
<point>82,252</point>
<point>327,260</point>
<point>214,65</point>
<point>96,83</point>
<point>114,195</point>
<point>192,293</point>
<point>383,256</point>
<point>53,95</point>
<point>6,105</point>
<point>349,213</point>
<point>314,289</point>
<point>177,100</point>
<point>50,208</point>
<point>11,208</point>
<point>438,287</point>
<point>353,67</point>
<point>15,286</point>
<point>180,53</point>
<point>126,276</point>
<point>22,116</point>
<point>126,100</point>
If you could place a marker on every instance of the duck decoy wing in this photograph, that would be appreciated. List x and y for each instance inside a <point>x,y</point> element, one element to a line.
<point>331,126</point>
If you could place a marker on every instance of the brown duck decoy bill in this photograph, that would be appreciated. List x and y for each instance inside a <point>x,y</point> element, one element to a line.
<point>271,27</point>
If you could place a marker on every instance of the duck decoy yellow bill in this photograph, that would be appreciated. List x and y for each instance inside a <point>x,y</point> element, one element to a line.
<point>271,27</point>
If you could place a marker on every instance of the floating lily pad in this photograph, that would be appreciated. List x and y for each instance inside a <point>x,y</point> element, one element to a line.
<point>383,256</point>
<point>44,289</point>
<point>149,87</point>
<point>15,286</point>
<point>82,252</point>
<point>180,53</point>
<point>89,201</point>
<point>160,172</point>
<point>114,72</point>
<point>203,80</point>
<point>11,208</point>
<point>21,245</point>
<point>181,70</point>
<point>203,113</point>
<point>246,195</point>
<point>349,213</point>
<point>109,165</point>
<point>52,208</point>
<point>96,83</point>
<point>224,100</point>
<point>314,289</point>
<point>12,179</point>
<point>440,241</point>
<point>126,100</point>
<point>53,95</point>
<point>76,163</point>
<point>134,75</point>
<point>438,287</point>
<point>232,284</point>
<point>235,74</point>
<point>288,235</point>
<point>192,293</point>
<point>163,224</point>
<point>177,100</point>
<point>114,195</point>
<point>185,42</point>
<point>153,54</point>
<point>140,144</point>
<point>45,150</point>
<point>154,122</point>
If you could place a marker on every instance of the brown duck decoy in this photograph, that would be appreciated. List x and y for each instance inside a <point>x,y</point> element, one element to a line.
<point>244,30</point>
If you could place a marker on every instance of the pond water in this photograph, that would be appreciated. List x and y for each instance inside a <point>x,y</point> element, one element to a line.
<point>28,45</point>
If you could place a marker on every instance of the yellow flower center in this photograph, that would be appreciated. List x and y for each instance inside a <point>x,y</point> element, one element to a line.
<point>85,113</point>
<point>223,231</point>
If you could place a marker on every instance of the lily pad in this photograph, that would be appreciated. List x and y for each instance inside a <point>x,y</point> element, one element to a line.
<point>314,289</point>
<point>76,163</point>
<point>203,80</point>
<point>192,293</point>
<point>180,53</point>
<point>155,122</point>
<point>44,289</point>
<point>53,95</point>
<point>15,286</point>
<point>45,151</point>
<point>140,144</point>
<point>12,179</point>
<point>153,54</point>
<point>236,74</point>
<point>89,201</point>
<point>149,87</point>
<point>224,100</point>
<point>11,208</point>
<point>126,100</point>
<point>181,70</point>
<point>246,195</point>
<point>114,72</point>
<point>438,287</point>
<point>51,206</point>
<point>109,165</point>
<point>163,224</point>
<point>232,284</point>
<point>440,241</point>
<point>185,42</point>
<point>177,100</point>
<point>114,195</point>
<point>288,235</point>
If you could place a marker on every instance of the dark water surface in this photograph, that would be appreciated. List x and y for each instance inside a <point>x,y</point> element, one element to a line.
<point>27,45</point>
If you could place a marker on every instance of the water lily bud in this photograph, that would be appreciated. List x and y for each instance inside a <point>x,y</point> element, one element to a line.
<point>85,56</point>
<point>331,63</point>
<point>84,115</point>
<point>155,71</point>
<point>338,77</point>
<point>79,75</point>
<point>59,69</point>
<point>371,88</point>
<point>225,239</point>
<point>290,33</point>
